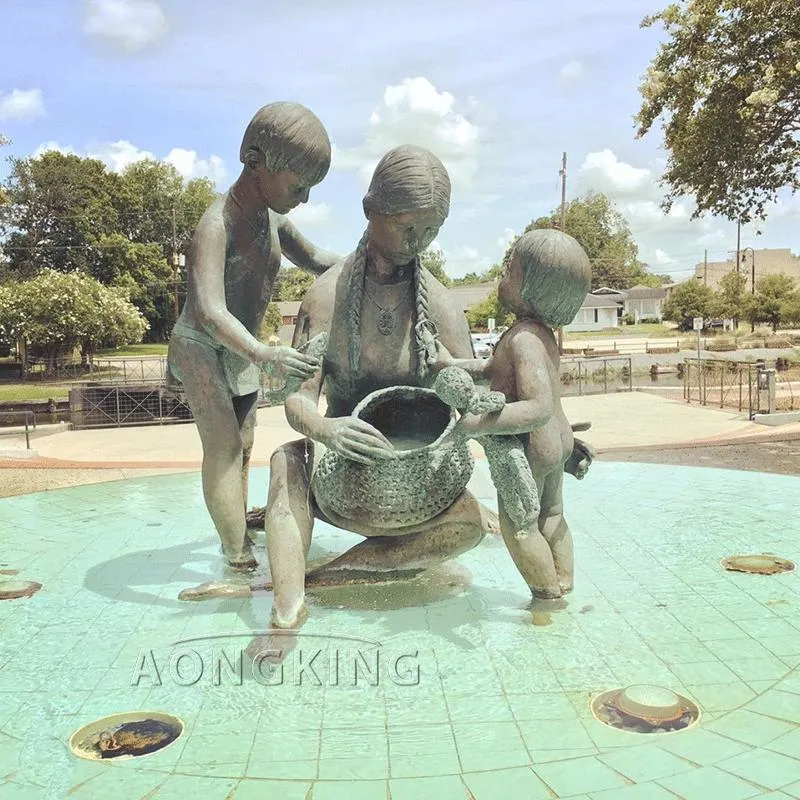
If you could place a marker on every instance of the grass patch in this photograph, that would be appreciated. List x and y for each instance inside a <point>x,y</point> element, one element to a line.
<point>28,392</point>
<point>650,329</point>
<point>133,351</point>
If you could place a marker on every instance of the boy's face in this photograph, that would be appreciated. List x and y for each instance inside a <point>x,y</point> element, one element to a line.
<point>283,190</point>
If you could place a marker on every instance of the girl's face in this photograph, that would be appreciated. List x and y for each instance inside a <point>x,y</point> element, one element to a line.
<point>399,238</point>
<point>509,290</point>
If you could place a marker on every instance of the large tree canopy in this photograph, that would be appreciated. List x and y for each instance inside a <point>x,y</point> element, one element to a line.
<point>605,235</point>
<point>71,214</point>
<point>726,85</point>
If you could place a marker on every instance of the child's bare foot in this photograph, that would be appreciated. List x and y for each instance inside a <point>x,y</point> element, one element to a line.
<point>546,594</point>
<point>215,590</point>
<point>243,560</point>
<point>273,646</point>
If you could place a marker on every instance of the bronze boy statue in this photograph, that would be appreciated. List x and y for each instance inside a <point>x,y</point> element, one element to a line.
<point>234,258</point>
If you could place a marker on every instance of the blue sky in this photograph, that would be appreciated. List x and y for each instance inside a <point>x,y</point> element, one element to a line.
<point>498,89</point>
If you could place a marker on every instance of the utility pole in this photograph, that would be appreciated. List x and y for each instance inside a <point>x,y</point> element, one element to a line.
<point>563,173</point>
<point>175,263</point>
<point>738,245</point>
<point>705,268</point>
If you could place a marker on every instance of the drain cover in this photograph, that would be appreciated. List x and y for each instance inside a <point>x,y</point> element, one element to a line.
<point>763,564</point>
<point>11,590</point>
<point>128,735</point>
<point>645,709</point>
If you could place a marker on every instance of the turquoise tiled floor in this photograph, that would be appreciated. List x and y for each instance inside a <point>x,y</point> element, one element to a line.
<point>501,707</point>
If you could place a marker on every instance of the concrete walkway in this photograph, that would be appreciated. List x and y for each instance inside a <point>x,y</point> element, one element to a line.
<point>62,457</point>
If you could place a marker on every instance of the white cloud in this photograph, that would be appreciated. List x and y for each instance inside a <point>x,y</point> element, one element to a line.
<point>48,147</point>
<point>190,165</point>
<point>131,25</point>
<point>22,105</point>
<point>606,173</point>
<point>505,239</point>
<point>310,214</point>
<point>572,71</point>
<point>119,155</point>
<point>416,112</point>
<point>662,258</point>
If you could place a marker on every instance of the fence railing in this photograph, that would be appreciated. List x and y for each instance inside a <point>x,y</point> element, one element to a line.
<point>599,375</point>
<point>118,405</point>
<point>9,426</point>
<point>118,370</point>
<point>722,383</point>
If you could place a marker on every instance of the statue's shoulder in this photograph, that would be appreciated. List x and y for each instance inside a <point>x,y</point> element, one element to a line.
<point>324,288</point>
<point>212,223</point>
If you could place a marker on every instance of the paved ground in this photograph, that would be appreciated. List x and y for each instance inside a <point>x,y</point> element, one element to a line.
<point>663,430</point>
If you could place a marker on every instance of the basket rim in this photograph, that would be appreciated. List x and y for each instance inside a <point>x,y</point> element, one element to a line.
<point>372,397</point>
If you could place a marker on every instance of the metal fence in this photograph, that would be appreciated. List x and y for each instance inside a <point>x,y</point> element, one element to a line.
<point>723,383</point>
<point>118,405</point>
<point>117,370</point>
<point>13,422</point>
<point>600,375</point>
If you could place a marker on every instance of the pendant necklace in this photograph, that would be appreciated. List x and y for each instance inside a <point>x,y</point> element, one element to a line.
<point>387,321</point>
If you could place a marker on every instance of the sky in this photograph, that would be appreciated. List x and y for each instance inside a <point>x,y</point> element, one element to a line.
<point>497,89</point>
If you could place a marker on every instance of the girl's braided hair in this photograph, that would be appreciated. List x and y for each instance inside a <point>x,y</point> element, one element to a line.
<point>406,179</point>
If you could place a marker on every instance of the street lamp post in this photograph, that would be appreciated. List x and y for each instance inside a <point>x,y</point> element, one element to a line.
<point>752,276</point>
<point>178,261</point>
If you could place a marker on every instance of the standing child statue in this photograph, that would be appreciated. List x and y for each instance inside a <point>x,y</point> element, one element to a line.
<point>545,283</point>
<point>235,255</point>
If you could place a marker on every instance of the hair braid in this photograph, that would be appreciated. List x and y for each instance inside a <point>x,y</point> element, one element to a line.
<point>355,300</point>
<point>422,320</point>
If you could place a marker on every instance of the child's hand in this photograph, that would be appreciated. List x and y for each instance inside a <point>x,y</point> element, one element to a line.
<point>291,362</point>
<point>581,459</point>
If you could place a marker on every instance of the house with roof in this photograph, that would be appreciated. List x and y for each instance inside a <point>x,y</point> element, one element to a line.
<point>599,310</point>
<point>644,302</point>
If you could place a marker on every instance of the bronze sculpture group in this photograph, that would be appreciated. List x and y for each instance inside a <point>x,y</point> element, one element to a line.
<point>389,458</point>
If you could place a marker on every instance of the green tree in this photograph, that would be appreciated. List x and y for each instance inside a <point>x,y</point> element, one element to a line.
<point>479,314</point>
<point>688,300</point>
<point>468,279</point>
<point>71,214</point>
<point>145,275</point>
<point>731,299</point>
<point>776,301</point>
<point>271,324</point>
<point>56,312</point>
<point>156,204</point>
<point>433,261</point>
<point>604,234</point>
<point>57,207</point>
<point>726,86</point>
<point>292,283</point>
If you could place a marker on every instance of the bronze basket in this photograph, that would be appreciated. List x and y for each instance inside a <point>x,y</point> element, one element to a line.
<point>411,485</point>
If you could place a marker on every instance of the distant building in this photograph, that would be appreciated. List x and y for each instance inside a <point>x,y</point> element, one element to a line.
<point>597,312</point>
<point>470,294</point>
<point>768,261</point>
<point>288,309</point>
<point>644,302</point>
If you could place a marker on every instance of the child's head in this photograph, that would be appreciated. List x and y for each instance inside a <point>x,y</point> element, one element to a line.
<point>289,141</point>
<point>548,277</point>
